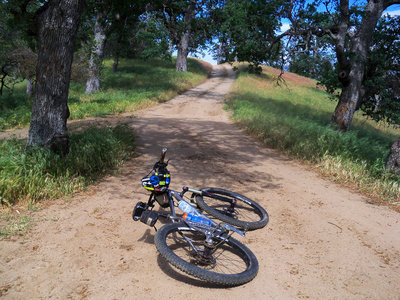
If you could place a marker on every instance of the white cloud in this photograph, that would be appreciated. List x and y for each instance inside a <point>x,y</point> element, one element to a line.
<point>285,27</point>
<point>392,13</point>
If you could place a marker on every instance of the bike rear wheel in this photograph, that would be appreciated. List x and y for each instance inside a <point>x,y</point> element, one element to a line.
<point>231,264</point>
<point>245,213</point>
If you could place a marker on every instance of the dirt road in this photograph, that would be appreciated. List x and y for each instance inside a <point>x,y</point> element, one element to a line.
<point>322,242</point>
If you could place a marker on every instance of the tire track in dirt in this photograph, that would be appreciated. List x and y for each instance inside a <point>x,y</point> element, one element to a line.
<point>322,241</point>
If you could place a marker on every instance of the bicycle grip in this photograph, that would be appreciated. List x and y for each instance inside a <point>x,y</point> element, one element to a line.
<point>163,152</point>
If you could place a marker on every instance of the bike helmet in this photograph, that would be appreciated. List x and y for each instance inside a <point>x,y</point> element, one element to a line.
<point>157,182</point>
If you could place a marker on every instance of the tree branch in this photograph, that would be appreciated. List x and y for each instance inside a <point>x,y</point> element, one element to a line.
<point>388,3</point>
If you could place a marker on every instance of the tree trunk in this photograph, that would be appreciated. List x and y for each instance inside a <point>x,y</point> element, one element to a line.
<point>97,55</point>
<point>29,87</point>
<point>219,53</point>
<point>393,162</point>
<point>183,51</point>
<point>349,98</point>
<point>58,25</point>
<point>115,64</point>
<point>312,72</point>
<point>352,65</point>
<point>170,46</point>
<point>378,100</point>
<point>183,43</point>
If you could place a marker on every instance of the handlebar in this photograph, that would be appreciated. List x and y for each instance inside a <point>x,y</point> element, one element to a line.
<point>161,165</point>
<point>163,152</point>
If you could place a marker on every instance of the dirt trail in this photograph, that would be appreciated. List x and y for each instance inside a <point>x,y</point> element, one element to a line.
<point>322,242</point>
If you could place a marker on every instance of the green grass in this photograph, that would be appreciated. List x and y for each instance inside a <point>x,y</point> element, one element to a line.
<point>15,108</point>
<point>27,176</point>
<point>296,119</point>
<point>137,84</point>
<point>12,224</point>
<point>34,174</point>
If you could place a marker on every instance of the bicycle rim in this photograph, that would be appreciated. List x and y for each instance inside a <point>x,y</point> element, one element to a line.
<point>231,264</point>
<point>246,214</point>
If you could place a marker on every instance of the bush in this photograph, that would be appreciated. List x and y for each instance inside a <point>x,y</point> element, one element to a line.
<point>37,173</point>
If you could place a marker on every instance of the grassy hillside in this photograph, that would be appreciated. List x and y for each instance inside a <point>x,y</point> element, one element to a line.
<point>137,84</point>
<point>295,118</point>
<point>39,174</point>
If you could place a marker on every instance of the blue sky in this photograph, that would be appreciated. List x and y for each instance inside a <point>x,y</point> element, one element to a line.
<point>208,58</point>
<point>393,10</point>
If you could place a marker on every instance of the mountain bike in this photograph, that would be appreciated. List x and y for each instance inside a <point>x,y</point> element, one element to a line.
<point>195,243</point>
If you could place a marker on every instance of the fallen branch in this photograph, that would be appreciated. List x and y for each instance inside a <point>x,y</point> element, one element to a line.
<point>336,226</point>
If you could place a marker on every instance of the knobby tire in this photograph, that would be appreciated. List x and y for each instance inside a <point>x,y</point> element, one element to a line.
<point>229,255</point>
<point>250,216</point>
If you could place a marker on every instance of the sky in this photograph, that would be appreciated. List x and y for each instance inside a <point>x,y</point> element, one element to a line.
<point>208,58</point>
<point>393,10</point>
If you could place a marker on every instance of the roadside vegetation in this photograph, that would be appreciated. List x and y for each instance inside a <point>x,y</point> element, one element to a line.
<point>29,175</point>
<point>295,118</point>
<point>36,174</point>
<point>137,84</point>
<point>14,223</point>
<point>32,174</point>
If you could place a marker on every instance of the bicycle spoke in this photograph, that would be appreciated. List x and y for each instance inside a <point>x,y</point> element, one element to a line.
<point>225,260</point>
<point>243,211</point>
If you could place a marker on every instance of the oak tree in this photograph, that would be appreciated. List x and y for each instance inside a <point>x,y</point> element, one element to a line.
<point>350,29</point>
<point>58,23</point>
<point>189,25</point>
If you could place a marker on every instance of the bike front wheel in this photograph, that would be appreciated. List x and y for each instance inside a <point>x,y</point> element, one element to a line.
<point>232,208</point>
<point>230,263</point>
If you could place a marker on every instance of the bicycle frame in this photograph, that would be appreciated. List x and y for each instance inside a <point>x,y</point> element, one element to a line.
<point>216,230</point>
<point>171,194</point>
<point>194,242</point>
<point>150,217</point>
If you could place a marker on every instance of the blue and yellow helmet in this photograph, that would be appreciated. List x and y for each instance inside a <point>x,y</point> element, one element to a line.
<point>157,182</point>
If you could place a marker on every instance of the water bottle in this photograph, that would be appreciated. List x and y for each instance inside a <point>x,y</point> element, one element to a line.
<point>197,219</point>
<point>187,208</point>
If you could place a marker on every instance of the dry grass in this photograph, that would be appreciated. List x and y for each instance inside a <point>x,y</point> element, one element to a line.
<point>294,117</point>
